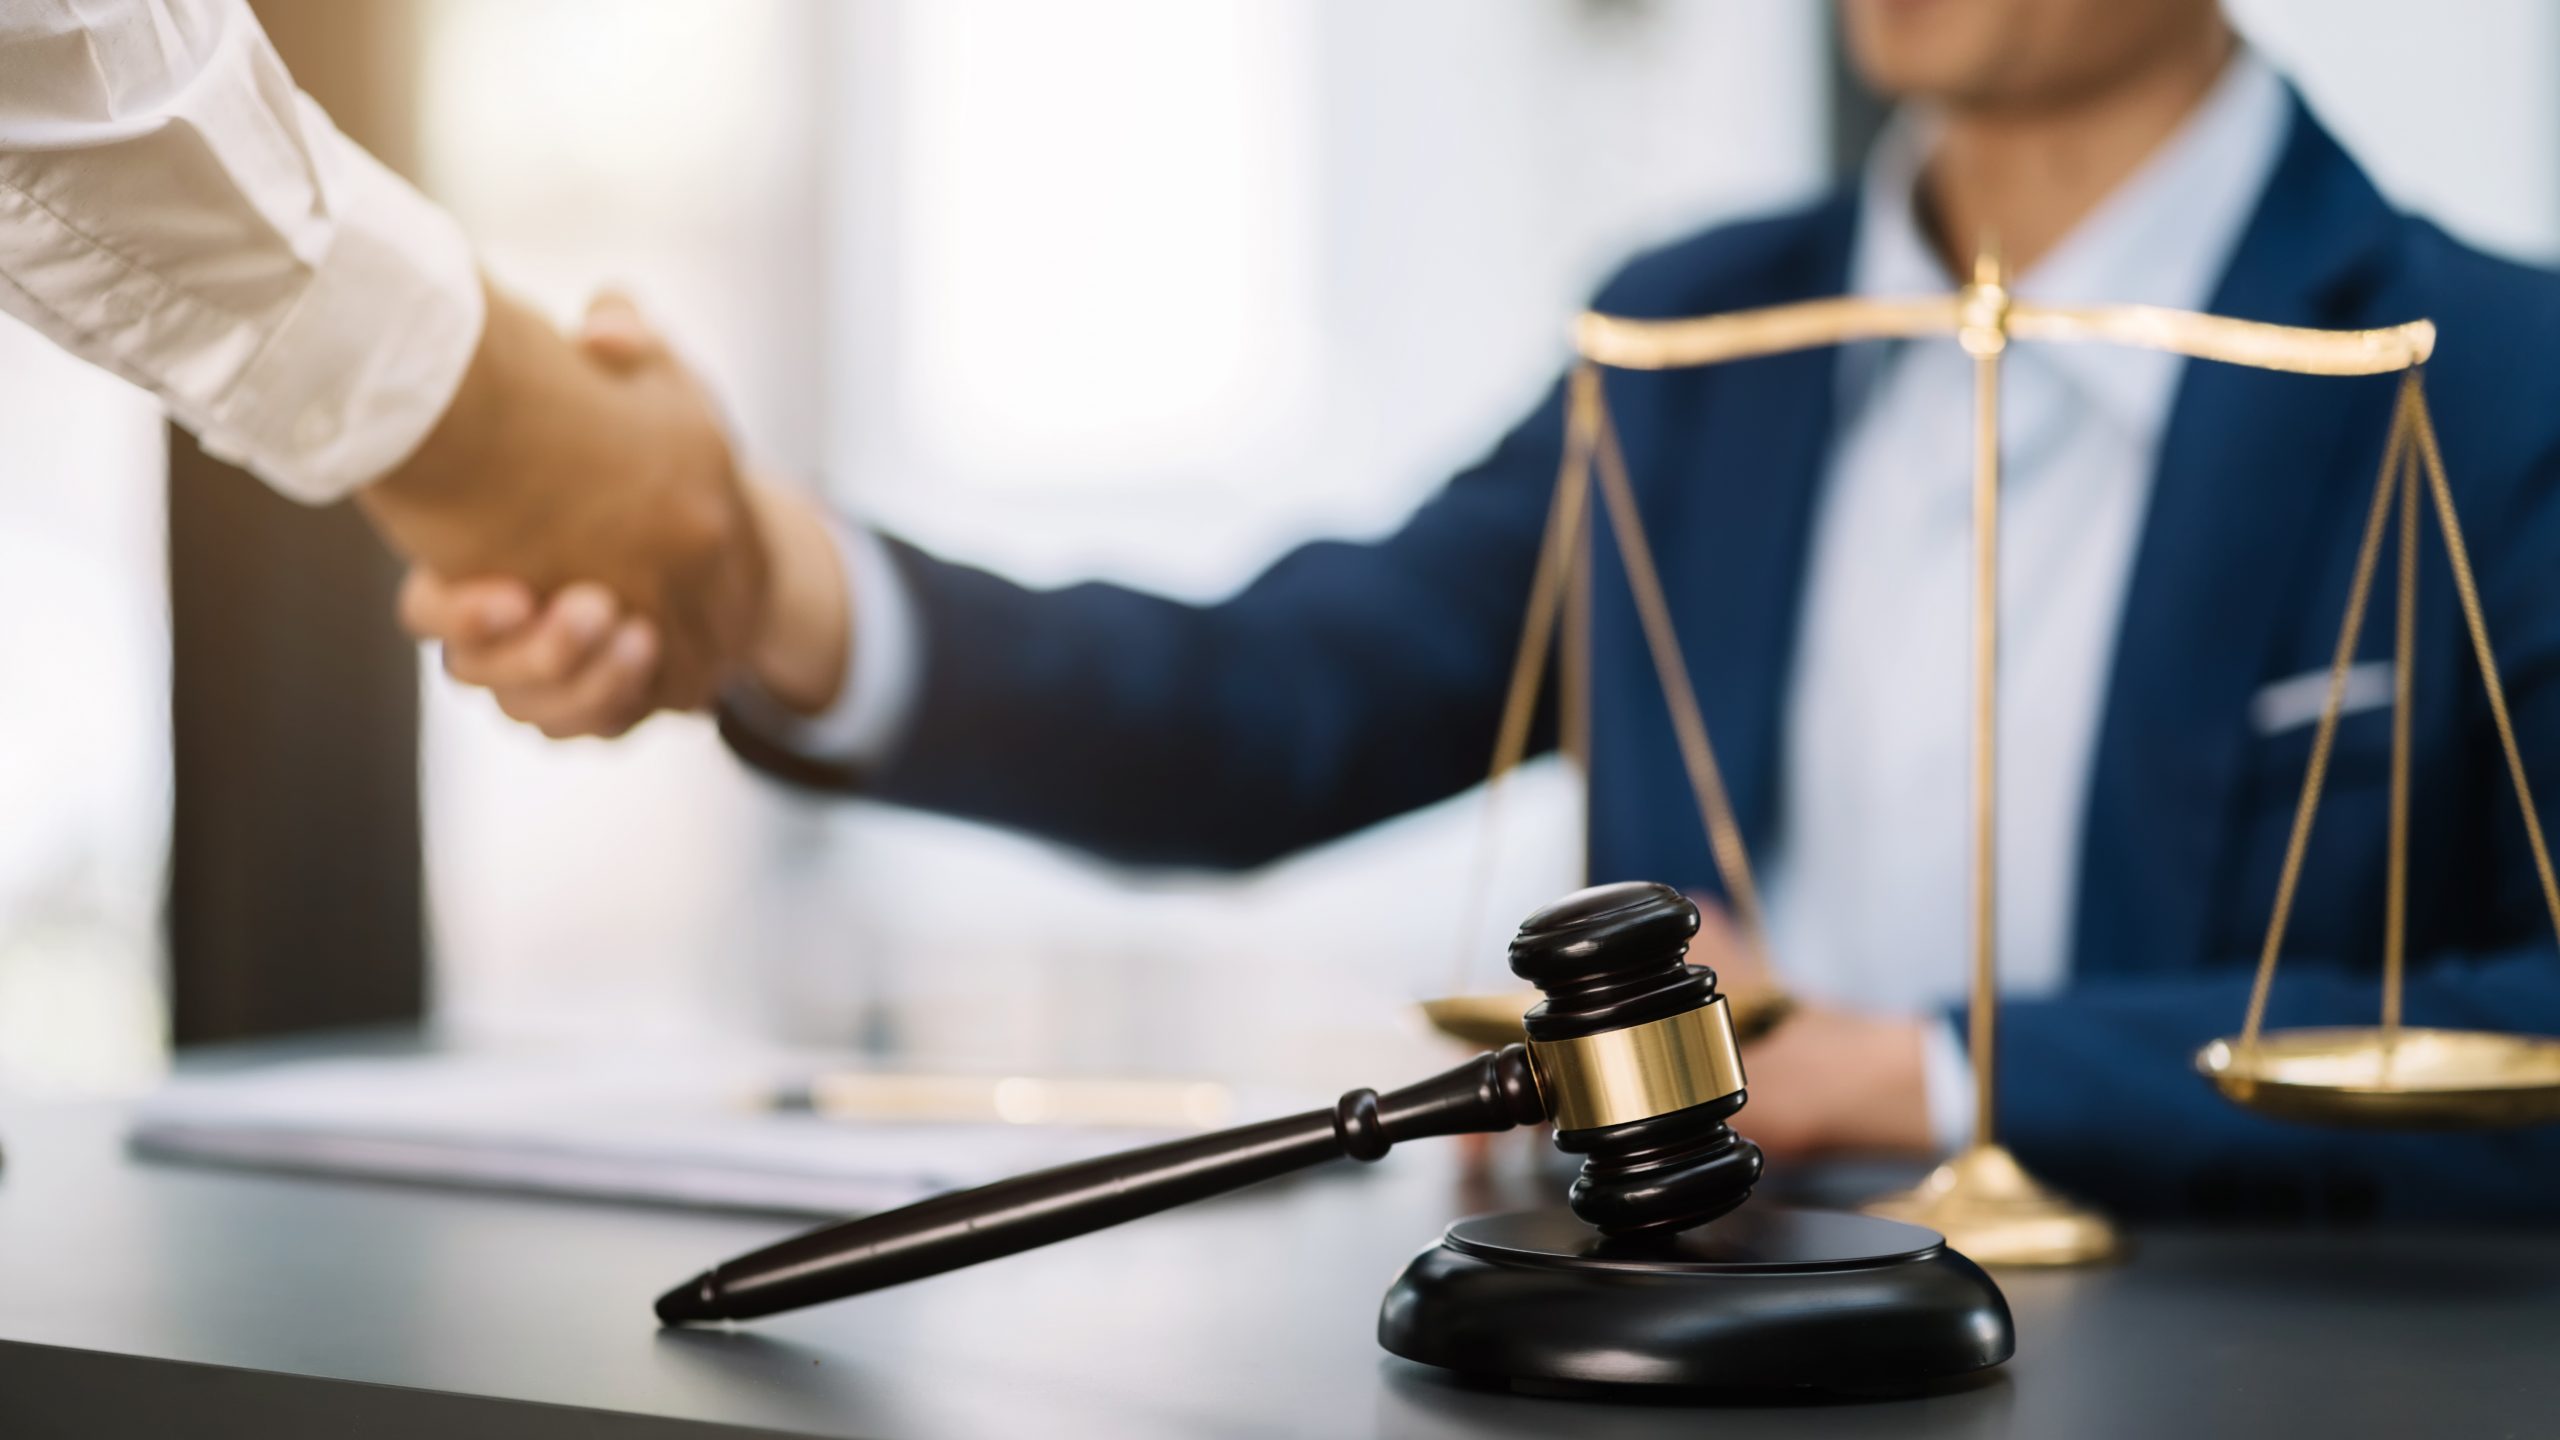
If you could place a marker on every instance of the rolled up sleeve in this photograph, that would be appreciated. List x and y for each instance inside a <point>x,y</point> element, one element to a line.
<point>173,209</point>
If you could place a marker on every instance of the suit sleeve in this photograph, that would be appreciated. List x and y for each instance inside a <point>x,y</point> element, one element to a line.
<point>2098,1094</point>
<point>1348,683</point>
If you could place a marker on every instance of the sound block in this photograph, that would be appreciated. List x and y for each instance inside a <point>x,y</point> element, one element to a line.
<point>1764,1297</point>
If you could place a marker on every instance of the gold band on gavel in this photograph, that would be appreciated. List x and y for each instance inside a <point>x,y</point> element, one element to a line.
<point>1639,1072</point>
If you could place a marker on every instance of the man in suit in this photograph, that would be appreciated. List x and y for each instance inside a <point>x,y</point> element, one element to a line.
<point>2178,550</point>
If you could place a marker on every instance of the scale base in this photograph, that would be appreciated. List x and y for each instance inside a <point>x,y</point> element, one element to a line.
<point>1989,1207</point>
<point>1764,1298</point>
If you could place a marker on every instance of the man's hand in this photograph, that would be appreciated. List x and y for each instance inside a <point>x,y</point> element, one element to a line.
<point>1829,1081</point>
<point>577,666</point>
<point>551,468</point>
<point>1741,967</point>
<point>581,665</point>
<point>1824,1080</point>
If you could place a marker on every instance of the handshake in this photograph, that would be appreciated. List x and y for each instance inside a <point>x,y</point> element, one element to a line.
<point>584,545</point>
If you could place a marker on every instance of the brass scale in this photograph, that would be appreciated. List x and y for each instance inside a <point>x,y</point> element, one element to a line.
<point>1982,1199</point>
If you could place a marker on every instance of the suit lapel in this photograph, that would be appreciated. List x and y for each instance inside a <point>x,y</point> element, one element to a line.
<point>1749,504</point>
<point>2252,471</point>
<point>1727,462</point>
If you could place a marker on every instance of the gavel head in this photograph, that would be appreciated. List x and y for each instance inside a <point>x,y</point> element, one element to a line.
<point>1635,1057</point>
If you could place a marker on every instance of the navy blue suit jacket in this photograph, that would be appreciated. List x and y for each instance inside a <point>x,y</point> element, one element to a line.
<point>1351,682</point>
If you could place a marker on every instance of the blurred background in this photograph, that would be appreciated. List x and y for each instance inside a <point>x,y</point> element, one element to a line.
<point>921,248</point>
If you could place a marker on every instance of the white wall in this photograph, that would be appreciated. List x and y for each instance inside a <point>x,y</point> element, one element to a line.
<point>84,722</point>
<point>668,147</point>
<point>2455,108</point>
<point>1384,222</point>
<point>1363,225</point>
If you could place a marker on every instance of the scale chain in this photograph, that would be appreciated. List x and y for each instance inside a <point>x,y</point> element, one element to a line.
<point>2404,664</point>
<point>2315,777</point>
<point>2473,618</point>
<point>1561,585</point>
<point>1529,662</point>
<point>2412,445</point>
<point>1697,753</point>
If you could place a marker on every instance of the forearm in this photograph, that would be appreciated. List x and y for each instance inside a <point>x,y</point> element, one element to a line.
<point>2097,1092</point>
<point>1154,732</point>
<point>517,374</point>
<point>1346,684</point>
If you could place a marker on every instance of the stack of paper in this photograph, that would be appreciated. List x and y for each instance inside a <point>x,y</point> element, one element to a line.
<point>687,1132</point>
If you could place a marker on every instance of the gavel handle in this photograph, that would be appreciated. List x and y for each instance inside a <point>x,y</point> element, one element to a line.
<point>1494,1091</point>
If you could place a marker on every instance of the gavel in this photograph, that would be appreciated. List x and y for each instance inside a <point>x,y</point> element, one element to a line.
<point>1631,1055</point>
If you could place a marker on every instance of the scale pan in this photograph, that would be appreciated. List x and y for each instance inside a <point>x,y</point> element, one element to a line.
<point>1482,1019</point>
<point>1495,1019</point>
<point>2422,1080</point>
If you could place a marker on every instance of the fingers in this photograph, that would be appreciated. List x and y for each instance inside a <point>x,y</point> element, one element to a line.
<point>617,334</point>
<point>643,497</point>
<point>603,695</point>
<point>709,590</point>
<point>717,609</point>
<point>605,698</point>
<point>581,667</point>
<point>462,612</point>
<point>548,653</point>
<point>627,480</point>
<point>1720,945</point>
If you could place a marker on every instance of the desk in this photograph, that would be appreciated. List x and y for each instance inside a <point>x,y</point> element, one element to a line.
<point>141,1299</point>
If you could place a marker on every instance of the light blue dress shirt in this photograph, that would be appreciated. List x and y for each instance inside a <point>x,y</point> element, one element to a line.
<point>1868,895</point>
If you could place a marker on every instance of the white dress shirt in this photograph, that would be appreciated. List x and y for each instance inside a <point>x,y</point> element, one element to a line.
<point>1867,887</point>
<point>1866,891</point>
<point>173,209</point>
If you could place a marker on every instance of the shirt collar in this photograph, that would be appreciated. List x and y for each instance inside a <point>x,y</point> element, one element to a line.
<point>2163,237</point>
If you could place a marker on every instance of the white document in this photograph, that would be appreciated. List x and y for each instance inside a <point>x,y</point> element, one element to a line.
<point>681,1131</point>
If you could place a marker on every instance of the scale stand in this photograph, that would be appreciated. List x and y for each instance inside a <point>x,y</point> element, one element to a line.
<point>1989,1207</point>
<point>1986,1203</point>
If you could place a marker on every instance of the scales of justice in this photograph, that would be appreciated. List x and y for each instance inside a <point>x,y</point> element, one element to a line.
<point>1983,1200</point>
<point>1657,1272</point>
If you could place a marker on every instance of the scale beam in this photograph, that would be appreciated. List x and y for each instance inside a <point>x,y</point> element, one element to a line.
<point>1626,344</point>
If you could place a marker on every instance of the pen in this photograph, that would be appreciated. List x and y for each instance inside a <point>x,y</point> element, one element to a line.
<point>1010,1100</point>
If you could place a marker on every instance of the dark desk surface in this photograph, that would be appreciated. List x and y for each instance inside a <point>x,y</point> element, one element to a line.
<point>148,1299</point>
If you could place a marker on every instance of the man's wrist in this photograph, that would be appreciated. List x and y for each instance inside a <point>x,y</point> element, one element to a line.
<point>879,658</point>
<point>799,658</point>
<point>469,442</point>
<point>467,433</point>
<point>353,370</point>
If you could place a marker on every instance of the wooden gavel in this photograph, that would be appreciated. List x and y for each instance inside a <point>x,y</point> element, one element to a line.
<point>1631,1054</point>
